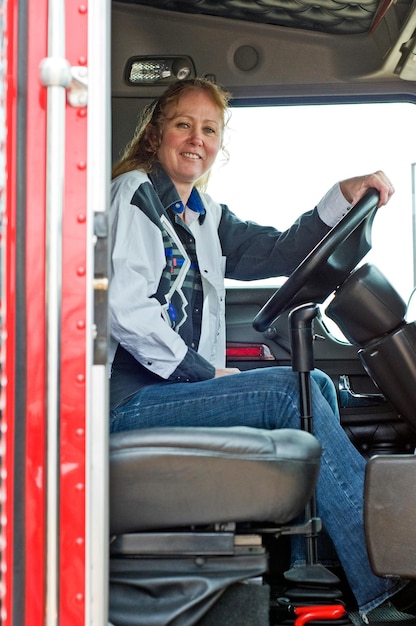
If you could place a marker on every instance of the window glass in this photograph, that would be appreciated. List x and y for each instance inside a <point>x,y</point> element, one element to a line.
<point>282,160</point>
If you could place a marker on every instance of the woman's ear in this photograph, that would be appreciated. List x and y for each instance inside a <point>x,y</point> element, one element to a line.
<point>152,138</point>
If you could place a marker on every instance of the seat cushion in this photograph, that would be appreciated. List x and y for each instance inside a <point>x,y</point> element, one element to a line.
<point>174,477</point>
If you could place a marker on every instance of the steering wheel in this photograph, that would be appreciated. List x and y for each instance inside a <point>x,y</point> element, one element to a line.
<point>327,265</point>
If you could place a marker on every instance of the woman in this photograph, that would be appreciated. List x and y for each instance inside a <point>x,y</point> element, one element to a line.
<point>171,248</point>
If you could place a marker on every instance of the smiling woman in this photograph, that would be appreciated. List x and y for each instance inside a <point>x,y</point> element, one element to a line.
<point>192,137</point>
<point>289,155</point>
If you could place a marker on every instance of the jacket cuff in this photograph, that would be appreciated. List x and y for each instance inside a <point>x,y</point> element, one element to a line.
<point>333,206</point>
<point>192,369</point>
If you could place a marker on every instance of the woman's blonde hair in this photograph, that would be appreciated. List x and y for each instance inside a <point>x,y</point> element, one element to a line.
<point>140,152</point>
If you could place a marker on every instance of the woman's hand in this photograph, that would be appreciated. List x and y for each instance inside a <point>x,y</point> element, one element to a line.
<point>226,371</point>
<point>353,189</point>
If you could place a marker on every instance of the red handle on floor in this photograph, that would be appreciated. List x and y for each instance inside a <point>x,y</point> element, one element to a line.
<point>307,614</point>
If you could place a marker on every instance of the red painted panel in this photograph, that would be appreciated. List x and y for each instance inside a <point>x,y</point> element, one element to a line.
<point>35,332</point>
<point>8,103</point>
<point>73,369</point>
<point>73,362</point>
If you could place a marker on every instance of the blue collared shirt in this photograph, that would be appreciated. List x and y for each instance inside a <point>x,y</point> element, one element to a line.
<point>194,203</point>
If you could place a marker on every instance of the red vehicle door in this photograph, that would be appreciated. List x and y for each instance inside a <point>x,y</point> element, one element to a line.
<point>53,290</point>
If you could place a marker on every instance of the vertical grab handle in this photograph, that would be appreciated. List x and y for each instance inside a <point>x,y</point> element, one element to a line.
<point>301,339</point>
<point>55,75</point>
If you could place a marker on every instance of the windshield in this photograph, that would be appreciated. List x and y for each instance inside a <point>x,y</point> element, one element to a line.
<point>283,159</point>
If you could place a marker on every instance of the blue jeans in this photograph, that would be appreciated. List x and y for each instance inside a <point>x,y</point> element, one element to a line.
<point>269,398</point>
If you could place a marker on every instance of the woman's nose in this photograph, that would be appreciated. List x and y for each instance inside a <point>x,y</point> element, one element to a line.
<point>196,137</point>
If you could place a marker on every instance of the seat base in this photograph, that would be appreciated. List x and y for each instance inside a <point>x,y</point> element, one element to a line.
<point>205,482</point>
<point>240,603</point>
<point>182,589</point>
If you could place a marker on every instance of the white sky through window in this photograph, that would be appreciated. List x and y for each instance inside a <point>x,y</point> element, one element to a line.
<point>284,159</point>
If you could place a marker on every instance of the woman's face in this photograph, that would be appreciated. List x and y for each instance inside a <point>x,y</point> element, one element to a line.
<point>191,138</point>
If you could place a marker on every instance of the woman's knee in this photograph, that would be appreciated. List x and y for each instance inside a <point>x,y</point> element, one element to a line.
<point>326,388</point>
<point>321,378</point>
<point>285,378</point>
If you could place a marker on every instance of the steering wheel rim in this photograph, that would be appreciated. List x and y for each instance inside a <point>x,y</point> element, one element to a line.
<point>327,265</point>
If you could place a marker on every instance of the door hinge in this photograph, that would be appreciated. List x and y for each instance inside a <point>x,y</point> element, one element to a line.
<point>78,88</point>
<point>57,72</point>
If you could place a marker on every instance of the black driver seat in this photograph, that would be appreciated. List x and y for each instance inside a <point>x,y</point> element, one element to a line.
<point>177,498</point>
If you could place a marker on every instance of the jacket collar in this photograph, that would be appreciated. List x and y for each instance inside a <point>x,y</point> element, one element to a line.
<point>169,196</point>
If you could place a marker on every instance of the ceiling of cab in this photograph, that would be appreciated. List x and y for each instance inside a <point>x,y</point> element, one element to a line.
<point>330,16</point>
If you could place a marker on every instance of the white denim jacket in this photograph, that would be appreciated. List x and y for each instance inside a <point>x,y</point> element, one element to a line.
<point>225,246</point>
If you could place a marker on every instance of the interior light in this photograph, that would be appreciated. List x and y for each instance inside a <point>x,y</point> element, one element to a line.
<point>153,70</point>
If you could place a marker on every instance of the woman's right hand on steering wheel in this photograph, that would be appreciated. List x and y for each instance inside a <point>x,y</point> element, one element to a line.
<point>353,189</point>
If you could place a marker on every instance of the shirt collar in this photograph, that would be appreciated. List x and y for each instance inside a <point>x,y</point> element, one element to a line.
<point>194,203</point>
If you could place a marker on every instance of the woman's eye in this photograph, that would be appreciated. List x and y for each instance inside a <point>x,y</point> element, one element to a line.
<point>182,125</point>
<point>210,131</point>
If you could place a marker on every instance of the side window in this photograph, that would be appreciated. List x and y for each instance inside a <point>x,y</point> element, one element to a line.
<point>283,159</point>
